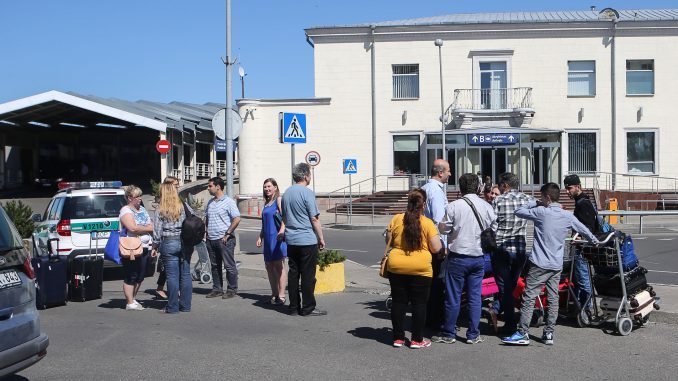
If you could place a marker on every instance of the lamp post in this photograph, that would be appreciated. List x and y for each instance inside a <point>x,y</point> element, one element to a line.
<point>241,72</point>
<point>439,44</point>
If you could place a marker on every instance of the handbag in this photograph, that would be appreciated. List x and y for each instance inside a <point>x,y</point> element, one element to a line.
<point>277,217</point>
<point>488,238</point>
<point>130,247</point>
<point>112,249</point>
<point>383,266</point>
<point>192,229</point>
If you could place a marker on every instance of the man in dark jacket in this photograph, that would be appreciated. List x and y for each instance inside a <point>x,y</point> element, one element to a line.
<point>586,213</point>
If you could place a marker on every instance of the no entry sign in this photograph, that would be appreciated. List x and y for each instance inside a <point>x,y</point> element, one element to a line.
<point>163,146</point>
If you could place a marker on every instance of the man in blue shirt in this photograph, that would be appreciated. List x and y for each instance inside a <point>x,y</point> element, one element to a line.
<point>552,225</point>
<point>222,218</point>
<point>304,236</point>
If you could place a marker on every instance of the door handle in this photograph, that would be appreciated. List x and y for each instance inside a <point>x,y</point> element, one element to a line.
<point>6,313</point>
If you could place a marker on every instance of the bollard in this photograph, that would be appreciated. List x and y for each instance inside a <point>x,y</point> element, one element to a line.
<point>258,209</point>
<point>613,205</point>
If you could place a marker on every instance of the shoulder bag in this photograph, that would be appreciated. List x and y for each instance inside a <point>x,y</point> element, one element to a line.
<point>488,238</point>
<point>192,229</point>
<point>383,268</point>
<point>129,247</point>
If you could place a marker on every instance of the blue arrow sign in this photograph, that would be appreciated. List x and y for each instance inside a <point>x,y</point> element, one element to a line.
<point>350,166</point>
<point>293,128</point>
<point>492,139</point>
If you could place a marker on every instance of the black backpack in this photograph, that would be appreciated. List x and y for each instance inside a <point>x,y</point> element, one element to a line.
<point>192,229</point>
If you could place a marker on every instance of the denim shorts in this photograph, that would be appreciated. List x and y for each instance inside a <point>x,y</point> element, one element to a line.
<point>135,270</point>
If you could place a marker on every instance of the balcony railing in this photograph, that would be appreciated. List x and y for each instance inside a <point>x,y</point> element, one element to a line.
<point>203,169</point>
<point>492,99</point>
<point>188,174</point>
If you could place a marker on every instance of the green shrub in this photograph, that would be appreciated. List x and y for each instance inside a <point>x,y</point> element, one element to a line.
<point>20,214</point>
<point>155,189</point>
<point>329,256</point>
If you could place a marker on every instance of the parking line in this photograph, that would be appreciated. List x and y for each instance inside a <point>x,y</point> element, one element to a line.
<point>662,271</point>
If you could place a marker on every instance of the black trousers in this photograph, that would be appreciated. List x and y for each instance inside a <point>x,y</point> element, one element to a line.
<point>302,261</point>
<point>406,289</point>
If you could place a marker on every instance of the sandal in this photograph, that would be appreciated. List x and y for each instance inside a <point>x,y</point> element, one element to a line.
<point>160,294</point>
<point>273,300</point>
<point>279,301</point>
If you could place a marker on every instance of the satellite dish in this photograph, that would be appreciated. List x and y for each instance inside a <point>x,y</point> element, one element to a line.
<point>241,71</point>
<point>219,123</point>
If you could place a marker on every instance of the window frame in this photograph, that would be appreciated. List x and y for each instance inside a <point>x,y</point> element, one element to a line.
<point>655,131</point>
<point>595,81</point>
<point>653,71</point>
<point>596,132</point>
<point>416,75</point>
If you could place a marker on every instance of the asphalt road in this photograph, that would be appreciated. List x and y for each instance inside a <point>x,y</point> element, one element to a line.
<point>656,250</point>
<point>244,338</point>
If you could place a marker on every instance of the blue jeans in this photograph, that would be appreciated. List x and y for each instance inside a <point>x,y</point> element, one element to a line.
<point>507,267</point>
<point>582,279</point>
<point>177,261</point>
<point>463,269</point>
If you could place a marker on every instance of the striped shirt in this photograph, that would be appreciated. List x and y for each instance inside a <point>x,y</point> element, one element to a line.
<point>511,229</point>
<point>164,228</point>
<point>220,213</point>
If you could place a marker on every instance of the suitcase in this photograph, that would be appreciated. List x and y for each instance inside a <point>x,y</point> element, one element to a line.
<point>640,305</point>
<point>610,285</point>
<point>86,277</point>
<point>51,278</point>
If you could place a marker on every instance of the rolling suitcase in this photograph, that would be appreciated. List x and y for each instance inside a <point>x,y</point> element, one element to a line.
<point>640,306</point>
<point>610,285</point>
<point>51,278</point>
<point>86,277</point>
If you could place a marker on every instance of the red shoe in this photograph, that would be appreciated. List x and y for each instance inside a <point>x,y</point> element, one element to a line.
<point>398,343</point>
<point>420,344</point>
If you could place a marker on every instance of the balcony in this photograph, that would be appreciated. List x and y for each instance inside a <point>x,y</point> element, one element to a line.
<point>501,107</point>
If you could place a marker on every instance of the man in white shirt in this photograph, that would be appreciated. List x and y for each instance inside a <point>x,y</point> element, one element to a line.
<point>465,261</point>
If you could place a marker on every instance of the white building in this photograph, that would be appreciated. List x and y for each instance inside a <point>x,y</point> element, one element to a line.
<point>540,94</point>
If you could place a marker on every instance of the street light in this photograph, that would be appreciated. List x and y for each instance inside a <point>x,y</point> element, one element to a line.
<point>241,72</point>
<point>439,44</point>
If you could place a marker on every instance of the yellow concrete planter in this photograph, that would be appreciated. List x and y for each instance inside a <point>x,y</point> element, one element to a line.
<point>330,280</point>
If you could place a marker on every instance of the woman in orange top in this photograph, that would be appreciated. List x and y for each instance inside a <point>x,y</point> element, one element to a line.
<point>413,238</point>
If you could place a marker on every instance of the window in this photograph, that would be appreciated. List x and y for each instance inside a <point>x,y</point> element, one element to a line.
<point>406,154</point>
<point>582,152</point>
<point>639,77</point>
<point>640,152</point>
<point>406,81</point>
<point>581,78</point>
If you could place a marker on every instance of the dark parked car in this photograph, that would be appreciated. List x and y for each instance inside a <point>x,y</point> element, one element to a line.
<point>22,344</point>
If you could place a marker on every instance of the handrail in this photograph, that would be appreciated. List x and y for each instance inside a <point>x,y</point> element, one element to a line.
<point>639,213</point>
<point>632,179</point>
<point>367,179</point>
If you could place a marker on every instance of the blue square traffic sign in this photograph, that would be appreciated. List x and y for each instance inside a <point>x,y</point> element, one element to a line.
<point>293,128</point>
<point>350,166</point>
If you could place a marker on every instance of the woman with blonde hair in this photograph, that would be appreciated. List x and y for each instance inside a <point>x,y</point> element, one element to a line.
<point>135,222</point>
<point>413,239</point>
<point>275,250</point>
<point>169,217</point>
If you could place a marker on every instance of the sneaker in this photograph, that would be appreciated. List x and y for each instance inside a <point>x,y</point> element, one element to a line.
<point>228,295</point>
<point>134,307</point>
<point>443,339</point>
<point>420,344</point>
<point>477,340</point>
<point>214,294</point>
<point>547,338</point>
<point>398,343</point>
<point>517,338</point>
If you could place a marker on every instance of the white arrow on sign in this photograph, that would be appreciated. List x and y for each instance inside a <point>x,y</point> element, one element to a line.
<point>511,138</point>
<point>474,138</point>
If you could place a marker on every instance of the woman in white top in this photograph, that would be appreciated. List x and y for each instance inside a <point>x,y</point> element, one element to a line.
<point>135,220</point>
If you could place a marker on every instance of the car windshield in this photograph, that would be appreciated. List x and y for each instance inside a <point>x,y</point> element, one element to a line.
<point>93,206</point>
<point>9,236</point>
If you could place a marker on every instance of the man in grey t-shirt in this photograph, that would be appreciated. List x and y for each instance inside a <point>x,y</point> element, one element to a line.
<point>304,236</point>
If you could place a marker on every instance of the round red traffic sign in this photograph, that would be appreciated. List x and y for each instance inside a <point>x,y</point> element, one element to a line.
<point>163,146</point>
<point>312,158</point>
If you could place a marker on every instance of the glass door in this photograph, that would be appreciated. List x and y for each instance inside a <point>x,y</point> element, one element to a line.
<point>492,162</point>
<point>493,85</point>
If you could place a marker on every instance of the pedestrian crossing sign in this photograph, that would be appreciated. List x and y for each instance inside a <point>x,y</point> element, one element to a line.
<point>350,166</point>
<point>293,128</point>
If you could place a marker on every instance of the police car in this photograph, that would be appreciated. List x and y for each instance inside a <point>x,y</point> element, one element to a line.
<point>81,217</point>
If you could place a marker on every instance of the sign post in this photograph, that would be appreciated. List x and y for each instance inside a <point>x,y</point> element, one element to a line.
<point>313,159</point>
<point>350,167</point>
<point>292,131</point>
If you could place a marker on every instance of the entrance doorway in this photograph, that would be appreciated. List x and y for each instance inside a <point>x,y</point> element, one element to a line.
<point>492,162</point>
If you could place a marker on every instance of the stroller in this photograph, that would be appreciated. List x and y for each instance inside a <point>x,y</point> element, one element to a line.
<point>202,271</point>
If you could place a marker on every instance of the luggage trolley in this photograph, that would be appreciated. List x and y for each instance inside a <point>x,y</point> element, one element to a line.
<point>623,309</point>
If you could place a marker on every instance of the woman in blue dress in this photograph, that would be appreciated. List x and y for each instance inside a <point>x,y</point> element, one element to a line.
<point>275,250</point>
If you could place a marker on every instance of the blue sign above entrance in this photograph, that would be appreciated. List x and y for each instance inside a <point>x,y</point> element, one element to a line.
<point>492,139</point>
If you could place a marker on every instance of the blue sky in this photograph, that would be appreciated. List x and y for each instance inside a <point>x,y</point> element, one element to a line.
<point>165,50</point>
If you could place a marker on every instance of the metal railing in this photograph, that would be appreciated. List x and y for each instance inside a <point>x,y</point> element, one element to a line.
<point>203,169</point>
<point>188,174</point>
<point>492,99</point>
<point>349,211</point>
<point>659,202</point>
<point>348,194</point>
<point>628,182</point>
<point>176,173</point>
<point>221,167</point>
<point>640,214</point>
